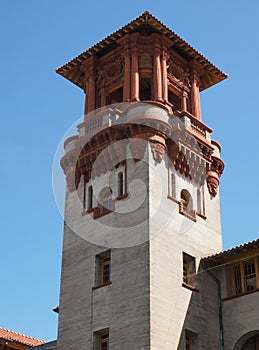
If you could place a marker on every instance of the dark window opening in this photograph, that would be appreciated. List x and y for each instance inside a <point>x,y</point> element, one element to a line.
<point>90,197</point>
<point>145,89</point>
<point>120,184</point>
<point>115,96</point>
<point>175,101</point>
<point>97,100</point>
<point>189,268</point>
<point>189,108</point>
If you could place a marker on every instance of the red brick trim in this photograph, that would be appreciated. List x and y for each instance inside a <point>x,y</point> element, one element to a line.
<point>201,215</point>
<point>188,286</point>
<point>191,215</point>
<point>123,196</point>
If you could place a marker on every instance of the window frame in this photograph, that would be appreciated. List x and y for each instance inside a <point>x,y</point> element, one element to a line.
<point>239,277</point>
<point>104,338</point>
<point>188,342</point>
<point>101,262</point>
<point>189,272</point>
<point>186,205</point>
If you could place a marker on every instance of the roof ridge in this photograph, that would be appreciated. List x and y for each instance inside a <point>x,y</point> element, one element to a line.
<point>229,250</point>
<point>10,332</point>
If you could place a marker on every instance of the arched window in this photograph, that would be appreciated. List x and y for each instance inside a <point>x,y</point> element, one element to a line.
<point>106,203</point>
<point>251,344</point>
<point>173,186</point>
<point>199,203</point>
<point>186,201</point>
<point>90,197</point>
<point>120,184</point>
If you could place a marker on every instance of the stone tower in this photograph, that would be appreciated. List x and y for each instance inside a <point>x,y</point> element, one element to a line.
<point>142,202</point>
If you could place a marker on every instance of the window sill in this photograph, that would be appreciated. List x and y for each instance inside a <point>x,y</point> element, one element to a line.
<point>88,211</point>
<point>201,215</point>
<point>188,286</point>
<point>123,196</point>
<point>101,285</point>
<point>191,215</point>
<point>173,199</point>
<point>240,295</point>
<point>98,214</point>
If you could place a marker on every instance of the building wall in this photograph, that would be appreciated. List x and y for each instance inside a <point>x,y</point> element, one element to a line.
<point>145,306</point>
<point>240,316</point>
<point>175,308</point>
<point>122,306</point>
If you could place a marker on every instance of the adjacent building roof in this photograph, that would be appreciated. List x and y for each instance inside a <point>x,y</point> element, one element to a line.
<point>19,338</point>
<point>47,346</point>
<point>71,70</point>
<point>233,252</point>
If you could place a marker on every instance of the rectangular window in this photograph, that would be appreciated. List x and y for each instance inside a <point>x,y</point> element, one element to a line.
<point>188,342</point>
<point>244,276</point>
<point>101,339</point>
<point>189,271</point>
<point>104,341</point>
<point>103,269</point>
<point>106,269</point>
<point>190,339</point>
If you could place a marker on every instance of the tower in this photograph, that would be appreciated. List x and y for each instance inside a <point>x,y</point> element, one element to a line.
<point>142,203</point>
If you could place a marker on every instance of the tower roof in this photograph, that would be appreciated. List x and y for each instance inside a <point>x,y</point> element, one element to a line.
<point>212,74</point>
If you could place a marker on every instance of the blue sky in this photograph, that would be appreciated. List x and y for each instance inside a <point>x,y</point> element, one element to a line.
<point>38,106</point>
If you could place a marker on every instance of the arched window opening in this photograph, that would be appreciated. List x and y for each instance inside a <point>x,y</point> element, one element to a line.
<point>120,184</point>
<point>145,89</point>
<point>186,201</point>
<point>173,186</point>
<point>249,341</point>
<point>90,197</point>
<point>251,344</point>
<point>106,203</point>
<point>199,202</point>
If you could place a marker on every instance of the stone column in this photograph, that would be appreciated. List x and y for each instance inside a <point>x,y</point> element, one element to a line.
<point>126,85</point>
<point>91,90</point>
<point>184,101</point>
<point>103,98</point>
<point>86,98</point>
<point>195,96</point>
<point>157,77</point>
<point>135,77</point>
<point>164,77</point>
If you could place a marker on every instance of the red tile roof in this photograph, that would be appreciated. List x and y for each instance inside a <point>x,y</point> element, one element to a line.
<point>232,251</point>
<point>71,70</point>
<point>18,337</point>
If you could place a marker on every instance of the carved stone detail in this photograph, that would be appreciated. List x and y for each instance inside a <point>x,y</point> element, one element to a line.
<point>179,72</point>
<point>213,175</point>
<point>157,144</point>
<point>108,74</point>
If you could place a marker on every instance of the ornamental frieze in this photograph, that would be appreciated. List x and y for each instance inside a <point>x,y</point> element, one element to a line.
<point>109,148</point>
<point>178,72</point>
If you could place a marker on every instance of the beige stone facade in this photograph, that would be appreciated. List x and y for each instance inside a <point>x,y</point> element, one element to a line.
<point>141,268</point>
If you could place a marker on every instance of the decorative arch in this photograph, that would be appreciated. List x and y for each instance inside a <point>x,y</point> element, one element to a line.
<point>186,201</point>
<point>248,341</point>
<point>106,200</point>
